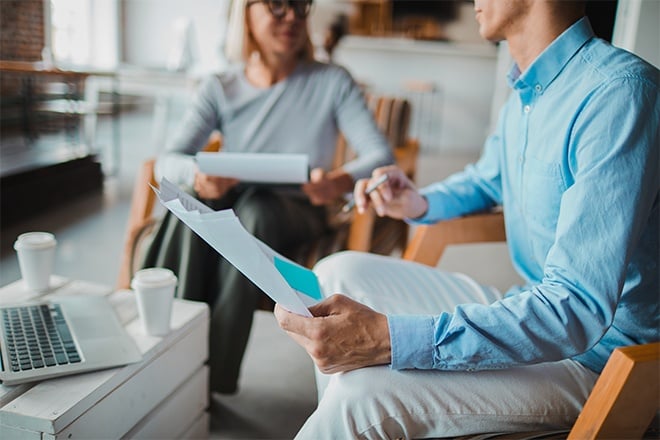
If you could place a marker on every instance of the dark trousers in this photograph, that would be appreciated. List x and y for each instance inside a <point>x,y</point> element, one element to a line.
<point>282,221</point>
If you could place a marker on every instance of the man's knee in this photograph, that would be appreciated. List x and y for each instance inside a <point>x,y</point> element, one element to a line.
<point>337,271</point>
<point>339,264</point>
<point>344,399</point>
<point>354,405</point>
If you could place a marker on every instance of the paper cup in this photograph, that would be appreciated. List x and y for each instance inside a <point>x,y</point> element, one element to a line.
<point>154,292</point>
<point>36,257</point>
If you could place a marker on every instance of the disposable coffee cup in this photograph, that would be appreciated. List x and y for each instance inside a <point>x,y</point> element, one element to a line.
<point>36,257</point>
<point>154,293</point>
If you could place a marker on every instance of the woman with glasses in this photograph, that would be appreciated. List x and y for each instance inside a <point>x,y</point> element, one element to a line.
<point>275,100</point>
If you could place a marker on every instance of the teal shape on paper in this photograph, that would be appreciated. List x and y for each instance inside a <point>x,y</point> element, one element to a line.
<point>299,278</point>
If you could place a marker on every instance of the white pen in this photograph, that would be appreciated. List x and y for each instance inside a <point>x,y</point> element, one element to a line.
<point>371,188</point>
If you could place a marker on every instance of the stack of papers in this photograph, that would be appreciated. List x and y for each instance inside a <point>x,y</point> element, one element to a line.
<point>289,284</point>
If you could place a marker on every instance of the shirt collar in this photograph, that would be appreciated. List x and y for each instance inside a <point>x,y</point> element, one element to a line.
<point>552,60</point>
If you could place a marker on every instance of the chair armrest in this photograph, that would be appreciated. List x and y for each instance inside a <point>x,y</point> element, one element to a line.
<point>625,398</point>
<point>214,144</point>
<point>429,241</point>
<point>406,157</point>
<point>142,205</point>
<point>360,233</point>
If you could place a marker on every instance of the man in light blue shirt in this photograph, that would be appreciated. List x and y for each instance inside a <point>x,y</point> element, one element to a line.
<point>574,162</point>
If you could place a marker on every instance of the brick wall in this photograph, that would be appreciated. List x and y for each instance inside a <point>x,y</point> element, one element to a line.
<point>21,29</point>
<point>22,38</point>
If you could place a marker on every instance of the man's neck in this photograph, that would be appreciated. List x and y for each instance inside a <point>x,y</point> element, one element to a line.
<point>534,35</point>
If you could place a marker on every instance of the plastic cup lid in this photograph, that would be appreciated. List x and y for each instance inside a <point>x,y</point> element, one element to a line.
<point>35,240</point>
<point>154,277</point>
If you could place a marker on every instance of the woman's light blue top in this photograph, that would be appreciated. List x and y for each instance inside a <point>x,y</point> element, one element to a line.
<point>575,163</point>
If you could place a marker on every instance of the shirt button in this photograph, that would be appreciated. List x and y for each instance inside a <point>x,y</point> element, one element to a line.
<point>527,108</point>
<point>538,88</point>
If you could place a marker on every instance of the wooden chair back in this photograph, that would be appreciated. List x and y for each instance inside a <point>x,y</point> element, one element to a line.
<point>625,397</point>
<point>430,241</point>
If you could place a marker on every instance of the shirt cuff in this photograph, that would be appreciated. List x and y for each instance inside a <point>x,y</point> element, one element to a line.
<point>411,339</point>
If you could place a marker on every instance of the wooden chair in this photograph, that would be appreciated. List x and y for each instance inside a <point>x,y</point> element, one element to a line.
<point>626,396</point>
<point>140,217</point>
<point>355,231</point>
<point>369,233</point>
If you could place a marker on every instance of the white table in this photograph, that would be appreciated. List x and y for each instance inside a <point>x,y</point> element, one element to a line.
<point>163,396</point>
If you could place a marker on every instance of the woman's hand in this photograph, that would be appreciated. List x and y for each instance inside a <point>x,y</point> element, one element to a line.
<point>324,188</point>
<point>343,335</point>
<point>212,187</point>
<point>397,197</point>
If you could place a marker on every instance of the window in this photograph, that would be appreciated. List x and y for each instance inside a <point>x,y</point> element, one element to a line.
<point>84,32</point>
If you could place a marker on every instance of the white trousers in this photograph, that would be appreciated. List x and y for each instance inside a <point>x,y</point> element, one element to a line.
<point>381,403</point>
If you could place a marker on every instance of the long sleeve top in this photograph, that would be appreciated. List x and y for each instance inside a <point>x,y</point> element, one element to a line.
<point>304,113</point>
<point>574,161</point>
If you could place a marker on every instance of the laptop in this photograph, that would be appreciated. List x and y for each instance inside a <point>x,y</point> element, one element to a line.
<point>61,336</point>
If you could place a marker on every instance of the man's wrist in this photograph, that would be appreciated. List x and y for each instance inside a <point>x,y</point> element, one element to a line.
<point>425,209</point>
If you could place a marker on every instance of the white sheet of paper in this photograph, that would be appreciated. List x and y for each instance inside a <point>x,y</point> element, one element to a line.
<point>224,232</point>
<point>256,167</point>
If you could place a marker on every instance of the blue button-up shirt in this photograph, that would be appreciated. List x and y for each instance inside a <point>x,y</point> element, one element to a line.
<point>575,163</point>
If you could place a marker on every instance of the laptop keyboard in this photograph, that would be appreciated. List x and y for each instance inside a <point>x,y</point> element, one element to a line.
<point>38,337</point>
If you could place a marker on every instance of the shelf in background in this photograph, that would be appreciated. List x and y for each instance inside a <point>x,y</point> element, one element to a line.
<point>36,179</point>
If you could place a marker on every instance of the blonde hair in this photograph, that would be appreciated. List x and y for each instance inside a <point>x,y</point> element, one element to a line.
<point>239,42</point>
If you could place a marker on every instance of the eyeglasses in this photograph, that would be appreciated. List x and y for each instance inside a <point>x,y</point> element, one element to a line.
<point>279,8</point>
